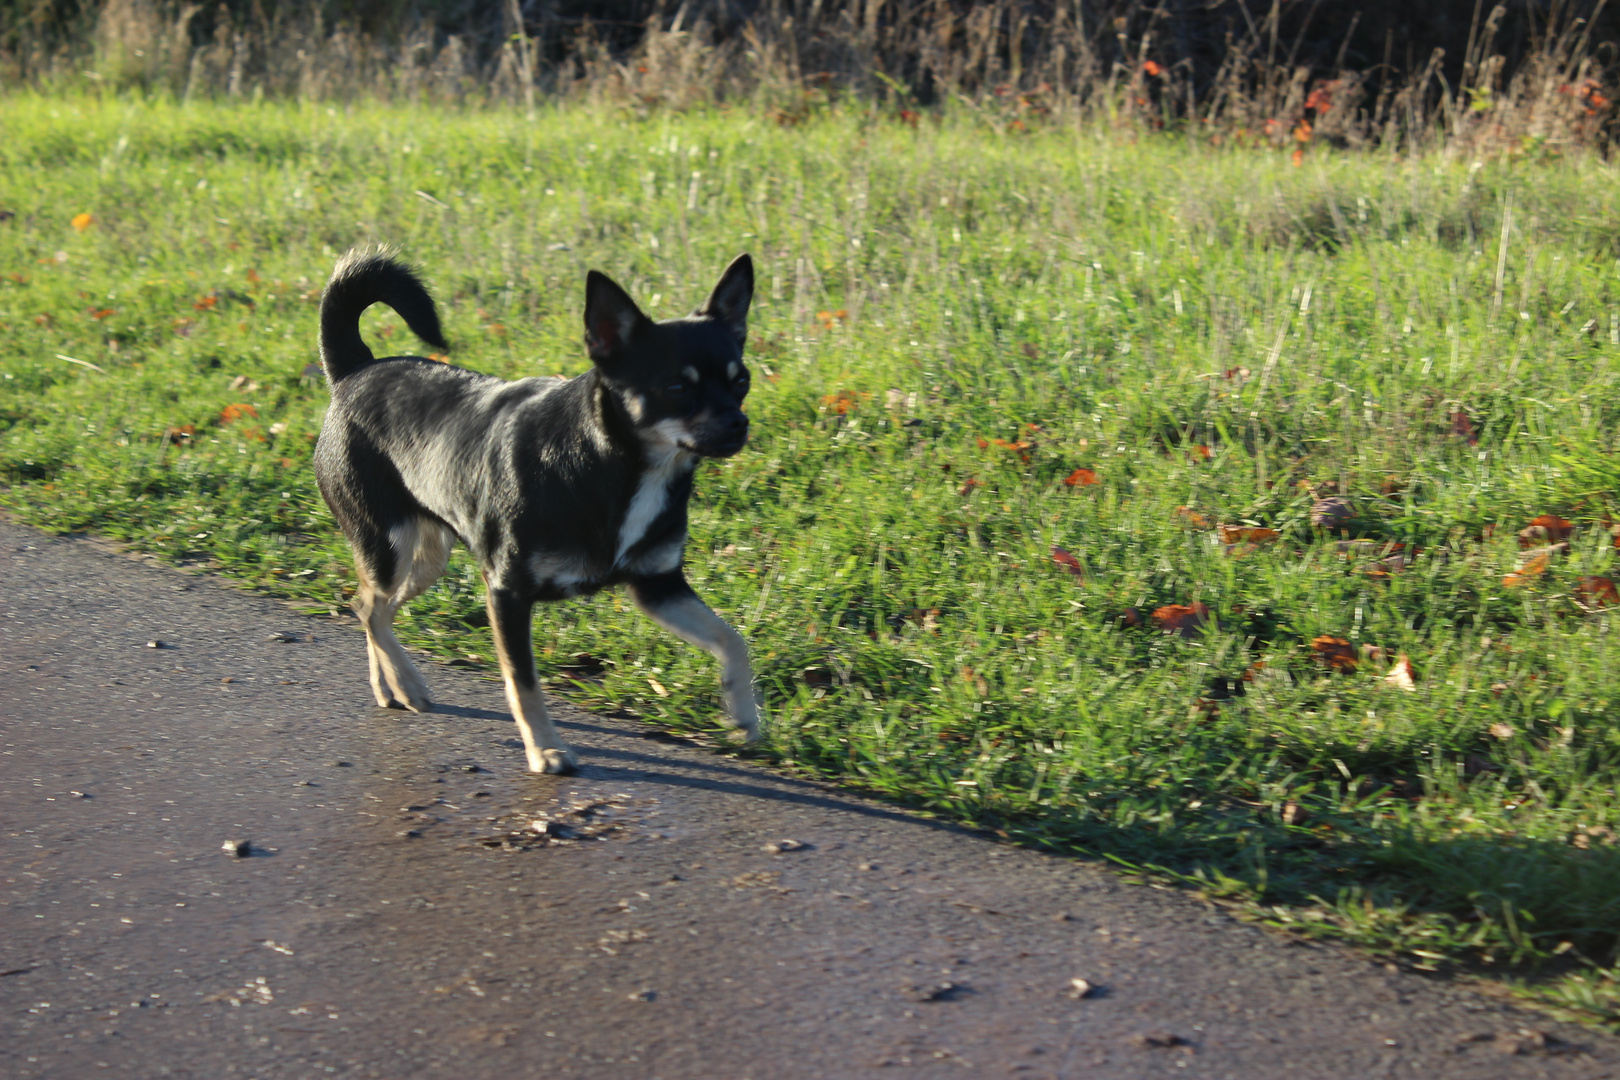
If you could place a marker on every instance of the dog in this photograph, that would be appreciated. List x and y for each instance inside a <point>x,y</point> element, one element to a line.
<point>558,487</point>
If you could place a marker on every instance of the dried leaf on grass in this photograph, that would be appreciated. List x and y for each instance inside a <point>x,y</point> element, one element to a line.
<point>1337,653</point>
<point>1187,620</point>
<point>1081,478</point>
<point>1533,565</point>
<point>1193,517</point>
<point>1545,529</point>
<point>1597,592</point>
<point>1068,561</point>
<point>1239,534</point>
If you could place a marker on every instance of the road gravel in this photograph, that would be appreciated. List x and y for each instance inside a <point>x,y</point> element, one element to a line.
<point>221,860</point>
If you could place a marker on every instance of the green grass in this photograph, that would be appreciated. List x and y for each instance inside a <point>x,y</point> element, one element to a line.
<point>1115,303</point>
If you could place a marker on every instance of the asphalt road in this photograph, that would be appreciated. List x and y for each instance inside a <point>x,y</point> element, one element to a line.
<point>397,914</point>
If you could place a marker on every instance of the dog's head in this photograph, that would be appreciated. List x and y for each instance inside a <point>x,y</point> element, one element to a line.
<point>681,382</point>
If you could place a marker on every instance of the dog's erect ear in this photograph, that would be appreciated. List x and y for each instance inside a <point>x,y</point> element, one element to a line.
<point>611,317</point>
<point>731,297</point>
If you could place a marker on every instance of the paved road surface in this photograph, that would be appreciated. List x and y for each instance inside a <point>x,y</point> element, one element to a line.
<point>397,916</point>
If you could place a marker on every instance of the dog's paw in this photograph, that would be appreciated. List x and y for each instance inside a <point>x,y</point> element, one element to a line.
<point>559,762</point>
<point>745,715</point>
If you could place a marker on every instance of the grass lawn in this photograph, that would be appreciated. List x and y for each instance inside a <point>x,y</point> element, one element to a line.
<point>1017,397</point>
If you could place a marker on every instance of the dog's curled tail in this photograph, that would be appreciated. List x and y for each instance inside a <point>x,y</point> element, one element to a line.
<point>361,278</point>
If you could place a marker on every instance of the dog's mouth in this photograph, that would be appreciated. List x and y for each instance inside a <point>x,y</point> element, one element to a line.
<point>718,440</point>
<point>715,448</point>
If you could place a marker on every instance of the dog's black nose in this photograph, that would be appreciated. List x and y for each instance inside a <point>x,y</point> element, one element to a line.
<point>737,424</point>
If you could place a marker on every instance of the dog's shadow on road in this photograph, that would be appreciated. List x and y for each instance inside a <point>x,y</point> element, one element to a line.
<point>723,776</point>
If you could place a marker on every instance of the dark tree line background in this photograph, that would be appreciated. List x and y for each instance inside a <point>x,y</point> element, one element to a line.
<point>1389,38</point>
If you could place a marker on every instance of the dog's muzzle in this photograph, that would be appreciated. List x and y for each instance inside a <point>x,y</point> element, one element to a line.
<point>722,436</point>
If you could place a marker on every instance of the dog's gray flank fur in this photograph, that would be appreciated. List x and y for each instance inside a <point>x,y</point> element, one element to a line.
<point>557,487</point>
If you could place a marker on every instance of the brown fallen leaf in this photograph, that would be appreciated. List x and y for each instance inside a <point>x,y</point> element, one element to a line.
<point>1335,652</point>
<point>1081,478</point>
<point>1545,529</point>
<point>1239,534</point>
<point>1532,565</point>
<point>1067,560</point>
<point>1187,620</point>
<point>1597,592</point>
<point>1193,517</point>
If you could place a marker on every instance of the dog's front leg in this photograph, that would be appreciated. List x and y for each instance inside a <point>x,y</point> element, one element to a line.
<point>510,620</point>
<point>670,602</point>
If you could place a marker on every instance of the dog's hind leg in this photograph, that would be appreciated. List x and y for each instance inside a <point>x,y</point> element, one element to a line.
<point>670,602</point>
<point>421,549</point>
<point>511,623</point>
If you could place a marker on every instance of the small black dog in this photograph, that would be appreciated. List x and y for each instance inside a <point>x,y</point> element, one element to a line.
<point>559,487</point>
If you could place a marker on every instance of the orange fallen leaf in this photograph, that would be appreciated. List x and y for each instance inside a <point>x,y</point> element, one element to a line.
<point>829,319</point>
<point>1335,652</point>
<point>842,401</point>
<point>968,485</point>
<point>100,313</point>
<point>1081,478</point>
<point>235,412</point>
<point>206,303</point>
<point>1067,560</point>
<point>1237,534</point>
<point>1153,68</point>
<point>1401,676</point>
<point>1187,620</point>
<point>1533,565</point>
<point>1193,517</point>
<point>1597,592</point>
<point>82,222</point>
<point>253,277</point>
<point>1545,529</point>
<point>1462,426</point>
<point>1200,452</point>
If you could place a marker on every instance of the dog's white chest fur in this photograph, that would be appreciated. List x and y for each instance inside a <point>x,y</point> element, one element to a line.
<point>650,500</point>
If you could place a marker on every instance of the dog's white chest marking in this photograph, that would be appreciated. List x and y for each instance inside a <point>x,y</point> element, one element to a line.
<point>651,497</point>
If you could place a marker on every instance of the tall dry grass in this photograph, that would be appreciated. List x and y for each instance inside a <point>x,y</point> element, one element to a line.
<point>1534,80</point>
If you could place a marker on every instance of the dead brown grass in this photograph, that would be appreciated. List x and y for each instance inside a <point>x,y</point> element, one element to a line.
<point>1013,63</point>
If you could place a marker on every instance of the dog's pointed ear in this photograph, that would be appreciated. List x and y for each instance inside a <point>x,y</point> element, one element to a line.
<point>729,302</point>
<point>611,317</point>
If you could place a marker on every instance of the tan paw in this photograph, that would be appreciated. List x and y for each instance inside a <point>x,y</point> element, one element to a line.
<point>559,762</point>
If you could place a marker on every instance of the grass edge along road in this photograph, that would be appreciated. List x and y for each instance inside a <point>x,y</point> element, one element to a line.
<point>1038,528</point>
